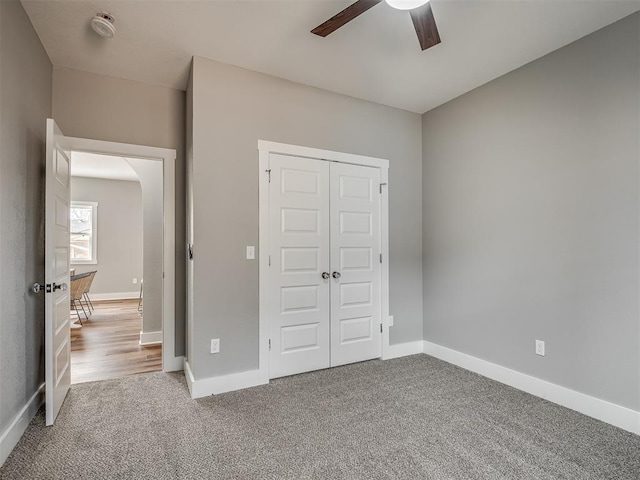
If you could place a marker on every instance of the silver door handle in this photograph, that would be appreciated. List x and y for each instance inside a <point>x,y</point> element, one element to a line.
<point>336,275</point>
<point>37,288</point>
<point>325,275</point>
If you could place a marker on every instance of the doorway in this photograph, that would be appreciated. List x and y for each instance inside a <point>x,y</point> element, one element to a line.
<point>116,240</point>
<point>323,259</point>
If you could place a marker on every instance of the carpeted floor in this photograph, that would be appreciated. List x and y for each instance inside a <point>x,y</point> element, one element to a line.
<point>411,418</point>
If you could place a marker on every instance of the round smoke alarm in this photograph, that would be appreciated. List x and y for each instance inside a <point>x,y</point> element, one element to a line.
<point>103,24</point>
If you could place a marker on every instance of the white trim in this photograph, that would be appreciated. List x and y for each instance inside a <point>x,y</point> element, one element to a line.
<point>188,376</point>
<point>603,410</point>
<point>404,349</point>
<point>12,434</point>
<point>263,263</point>
<point>151,338</point>
<point>175,364</point>
<point>99,297</point>
<point>384,247</point>
<point>168,158</point>
<point>317,153</point>
<point>225,383</point>
<point>265,148</point>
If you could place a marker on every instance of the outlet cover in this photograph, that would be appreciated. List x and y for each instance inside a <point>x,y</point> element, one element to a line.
<point>135,281</point>
<point>540,348</point>
<point>215,345</point>
<point>251,252</point>
<point>391,320</point>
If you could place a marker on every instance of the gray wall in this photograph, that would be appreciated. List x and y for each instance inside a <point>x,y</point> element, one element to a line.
<point>119,232</point>
<point>150,174</point>
<point>25,103</point>
<point>96,106</point>
<point>531,208</point>
<point>232,109</point>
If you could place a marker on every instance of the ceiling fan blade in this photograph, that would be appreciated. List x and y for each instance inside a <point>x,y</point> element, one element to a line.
<point>425,25</point>
<point>344,17</point>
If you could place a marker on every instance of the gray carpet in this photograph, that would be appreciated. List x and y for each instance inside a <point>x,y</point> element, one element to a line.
<point>410,418</point>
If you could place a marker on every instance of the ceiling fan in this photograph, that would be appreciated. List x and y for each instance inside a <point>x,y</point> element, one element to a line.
<point>420,10</point>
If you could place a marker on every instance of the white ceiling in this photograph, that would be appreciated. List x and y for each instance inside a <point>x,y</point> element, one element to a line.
<point>94,165</point>
<point>376,57</point>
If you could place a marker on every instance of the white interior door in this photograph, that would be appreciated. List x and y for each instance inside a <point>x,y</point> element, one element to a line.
<point>57,309</point>
<point>299,245</point>
<point>355,264</point>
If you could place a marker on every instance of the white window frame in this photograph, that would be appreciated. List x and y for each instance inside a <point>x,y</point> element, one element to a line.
<point>94,233</point>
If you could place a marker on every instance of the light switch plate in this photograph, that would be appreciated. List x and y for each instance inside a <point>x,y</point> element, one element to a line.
<point>391,320</point>
<point>251,252</point>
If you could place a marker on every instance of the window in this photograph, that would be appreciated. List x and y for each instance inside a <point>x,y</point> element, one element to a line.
<point>84,238</point>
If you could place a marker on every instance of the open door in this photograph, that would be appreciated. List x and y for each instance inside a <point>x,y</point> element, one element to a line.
<point>57,317</point>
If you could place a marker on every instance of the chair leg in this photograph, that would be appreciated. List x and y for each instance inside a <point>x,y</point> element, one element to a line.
<point>75,309</point>
<point>83,310</point>
<point>86,295</point>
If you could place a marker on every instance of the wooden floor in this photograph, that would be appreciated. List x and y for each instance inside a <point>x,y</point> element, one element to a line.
<point>107,346</point>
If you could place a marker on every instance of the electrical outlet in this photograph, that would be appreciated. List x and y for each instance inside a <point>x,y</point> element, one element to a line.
<point>391,320</point>
<point>251,252</point>
<point>540,348</point>
<point>135,281</point>
<point>215,345</point>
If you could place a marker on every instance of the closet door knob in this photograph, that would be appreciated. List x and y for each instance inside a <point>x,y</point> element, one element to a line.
<point>325,275</point>
<point>336,275</point>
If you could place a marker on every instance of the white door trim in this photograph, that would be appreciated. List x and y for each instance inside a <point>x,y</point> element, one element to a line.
<point>265,148</point>
<point>170,362</point>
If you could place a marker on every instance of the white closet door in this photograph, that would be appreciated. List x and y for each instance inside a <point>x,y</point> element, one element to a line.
<point>355,260</point>
<point>299,246</point>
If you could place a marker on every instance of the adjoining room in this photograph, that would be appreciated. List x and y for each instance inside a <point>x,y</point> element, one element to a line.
<point>116,329</point>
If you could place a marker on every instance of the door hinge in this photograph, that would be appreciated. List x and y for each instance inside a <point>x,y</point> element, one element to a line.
<point>269,344</point>
<point>269,260</point>
<point>269,173</point>
<point>380,328</point>
<point>381,187</point>
<point>380,258</point>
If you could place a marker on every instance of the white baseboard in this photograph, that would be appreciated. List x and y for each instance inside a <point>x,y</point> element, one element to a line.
<point>173,364</point>
<point>10,437</point>
<point>97,297</point>
<point>150,338</point>
<point>603,410</point>
<point>225,383</point>
<point>403,349</point>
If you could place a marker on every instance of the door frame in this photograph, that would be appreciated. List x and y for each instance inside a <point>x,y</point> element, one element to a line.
<point>170,362</point>
<point>265,148</point>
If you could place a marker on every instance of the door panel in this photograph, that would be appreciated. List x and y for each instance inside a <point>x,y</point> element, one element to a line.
<point>57,311</point>
<point>355,250</point>
<point>299,246</point>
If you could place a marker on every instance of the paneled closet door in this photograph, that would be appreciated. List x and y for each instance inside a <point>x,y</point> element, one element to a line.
<point>355,264</point>
<point>299,245</point>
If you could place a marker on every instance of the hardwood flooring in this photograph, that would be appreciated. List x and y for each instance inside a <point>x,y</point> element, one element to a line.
<point>108,344</point>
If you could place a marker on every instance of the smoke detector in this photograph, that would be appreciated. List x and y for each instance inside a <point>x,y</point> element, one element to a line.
<point>103,24</point>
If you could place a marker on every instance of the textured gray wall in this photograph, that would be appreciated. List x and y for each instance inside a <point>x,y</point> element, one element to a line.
<point>119,232</point>
<point>233,108</point>
<point>531,208</point>
<point>150,175</point>
<point>95,106</point>
<point>25,103</point>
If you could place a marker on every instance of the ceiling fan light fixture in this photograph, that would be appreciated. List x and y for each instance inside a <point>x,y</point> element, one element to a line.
<point>406,4</point>
<point>103,24</point>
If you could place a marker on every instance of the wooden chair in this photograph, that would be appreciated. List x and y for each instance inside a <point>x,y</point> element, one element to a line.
<point>77,290</point>
<point>87,290</point>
